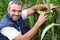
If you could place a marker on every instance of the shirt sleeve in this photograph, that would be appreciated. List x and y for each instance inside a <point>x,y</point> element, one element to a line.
<point>24,14</point>
<point>9,32</point>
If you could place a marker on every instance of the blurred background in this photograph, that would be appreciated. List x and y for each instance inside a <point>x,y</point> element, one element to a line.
<point>53,33</point>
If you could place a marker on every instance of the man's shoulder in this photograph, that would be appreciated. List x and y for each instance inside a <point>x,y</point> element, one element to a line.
<point>5,21</point>
<point>5,17</point>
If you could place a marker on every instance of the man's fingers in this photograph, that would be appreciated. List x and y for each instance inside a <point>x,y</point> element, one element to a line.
<point>46,16</point>
<point>46,19</point>
<point>53,7</point>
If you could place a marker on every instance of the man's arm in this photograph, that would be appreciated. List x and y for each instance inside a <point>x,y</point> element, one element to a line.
<point>32,9</point>
<point>39,7</point>
<point>33,30</point>
<point>14,34</point>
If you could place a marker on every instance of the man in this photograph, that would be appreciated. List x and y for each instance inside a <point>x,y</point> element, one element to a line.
<point>12,27</point>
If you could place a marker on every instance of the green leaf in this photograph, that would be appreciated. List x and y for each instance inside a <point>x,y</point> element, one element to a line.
<point>39,12</point>
<point>48,2</point>
<point>47,28</point>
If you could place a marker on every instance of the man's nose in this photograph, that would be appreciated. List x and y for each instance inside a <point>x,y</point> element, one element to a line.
<point>16,13</point>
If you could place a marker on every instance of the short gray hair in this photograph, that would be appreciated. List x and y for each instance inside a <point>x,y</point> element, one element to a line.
<point>15,2</point>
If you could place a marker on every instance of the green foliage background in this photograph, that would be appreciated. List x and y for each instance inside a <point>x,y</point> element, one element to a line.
<point>53,33</point>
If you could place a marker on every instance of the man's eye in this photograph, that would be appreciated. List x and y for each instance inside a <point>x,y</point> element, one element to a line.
<point>20,11</point>
<point>13,10</point>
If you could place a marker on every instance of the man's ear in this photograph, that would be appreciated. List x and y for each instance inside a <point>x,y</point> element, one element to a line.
<point>8,9</point>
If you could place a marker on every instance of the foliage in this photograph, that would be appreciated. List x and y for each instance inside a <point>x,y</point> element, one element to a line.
<point>53,33</point>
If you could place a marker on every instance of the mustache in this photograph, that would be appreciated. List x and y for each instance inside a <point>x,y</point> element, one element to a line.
<point>15,15</point>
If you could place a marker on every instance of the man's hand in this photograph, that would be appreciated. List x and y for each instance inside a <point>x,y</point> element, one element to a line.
<point>52,6</point>
<point>42,18</point>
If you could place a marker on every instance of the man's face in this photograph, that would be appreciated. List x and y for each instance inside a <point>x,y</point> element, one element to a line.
<point>15,11</point>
